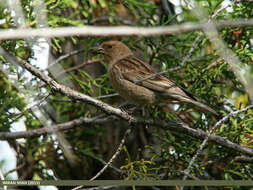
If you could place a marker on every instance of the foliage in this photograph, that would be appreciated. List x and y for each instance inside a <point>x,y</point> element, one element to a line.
<point>164,154</point>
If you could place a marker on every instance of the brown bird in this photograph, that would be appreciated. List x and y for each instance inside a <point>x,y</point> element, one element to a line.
<point>129,76</point>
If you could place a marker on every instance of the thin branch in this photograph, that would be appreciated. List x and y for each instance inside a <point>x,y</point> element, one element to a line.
<point>53,129</point>
<point>128,131</point>
<point>168,125</point>
<point>189,175</point>
<point>107,96</point>
<point>33,106</point>
<point>222,9</point>
<point>65,57</point>
<point>6,34</point>
<point>15,169</point>
<point>218,61</point>
<point>78,67</point>
<point>119,171</point>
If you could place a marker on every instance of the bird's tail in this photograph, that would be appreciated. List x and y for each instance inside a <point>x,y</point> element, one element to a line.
<point>197,103</point>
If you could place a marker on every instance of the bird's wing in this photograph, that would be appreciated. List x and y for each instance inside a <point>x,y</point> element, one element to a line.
<point>134,70</point>
<point>137,71</point>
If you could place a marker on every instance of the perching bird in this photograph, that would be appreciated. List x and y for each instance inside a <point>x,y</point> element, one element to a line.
<point>129,76</point>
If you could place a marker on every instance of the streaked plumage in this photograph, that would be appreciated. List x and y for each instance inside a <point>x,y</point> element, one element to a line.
<point>125,70</point>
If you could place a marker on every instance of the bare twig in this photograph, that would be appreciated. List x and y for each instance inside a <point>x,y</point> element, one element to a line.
<point>6,34</point>
<point>107,96</point>
<point>218,61</point>
<point>65,57</point>
<point>53,129</point>
<point>33,106</point>
<point>128,131</point>
<point>189,175</point>
<point>15,169</point>
<point>119,171</point>
<point>78,67</point>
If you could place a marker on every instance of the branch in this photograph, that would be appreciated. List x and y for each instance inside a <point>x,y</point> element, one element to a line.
<point>65,57</point>
<point>78,67</point>
<point>15,169</point>
<point>168,125</point>
<point>53,129</point>
<point>48,32</point>
<point>31,107</point>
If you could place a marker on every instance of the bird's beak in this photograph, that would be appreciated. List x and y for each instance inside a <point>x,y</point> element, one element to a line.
<point>100,50</point>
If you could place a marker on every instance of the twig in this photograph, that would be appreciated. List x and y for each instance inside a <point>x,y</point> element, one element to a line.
<point>78,67</point>
<point>218,61</point>
<point>187,171</point>
<point>101,161</point>
<point>189,175</point>
<point>52,129</point>
<point>107,96</point>
<point>15,169</point>
<point>128,131</point>
<point>33,106</point>
<point>6,34</point>
<point>65,57</point>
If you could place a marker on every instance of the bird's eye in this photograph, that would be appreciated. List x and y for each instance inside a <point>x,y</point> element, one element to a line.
<point>109,46</point>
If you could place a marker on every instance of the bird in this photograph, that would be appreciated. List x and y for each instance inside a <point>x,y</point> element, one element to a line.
<point>138,82</point>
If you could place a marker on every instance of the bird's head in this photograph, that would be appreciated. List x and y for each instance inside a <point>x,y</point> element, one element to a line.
<point>114,50</point>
